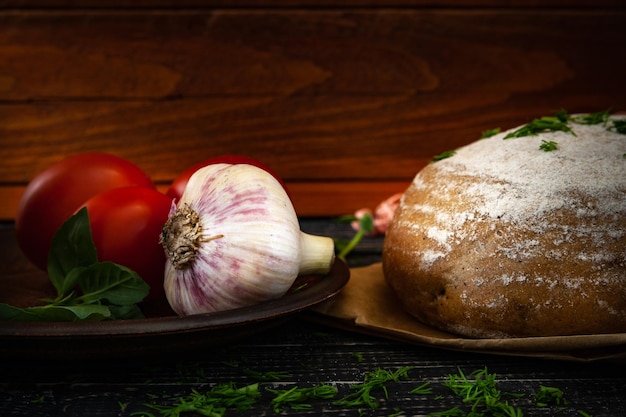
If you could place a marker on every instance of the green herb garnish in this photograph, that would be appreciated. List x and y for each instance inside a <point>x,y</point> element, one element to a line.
<point>452,412</point>
<point>443,155</point>
<point>265,376</point>
<point>478,394</point>
<point>480,390</point>
<point>548,146</point>
<point>215,402</point>
<point>600,117</point>
<point>542,124</point>
<point>549,396</point>
<point>374,381</point>
<point>39,400</point>
<point>562,115</point>
<point>423,389</point>
<point>86,289</point>
<point>559,122</point>
<point>396,412</point>
<point>489,133</point>
<point>619,126</point>
<point>366,225</point>
<point>296,398</point>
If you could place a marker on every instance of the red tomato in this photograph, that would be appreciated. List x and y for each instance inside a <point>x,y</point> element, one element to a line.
<point>178,186</point>
<point>57,192</point>
<point>126,226</point>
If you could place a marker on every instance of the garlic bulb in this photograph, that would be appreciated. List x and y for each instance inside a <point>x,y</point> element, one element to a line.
<point>234,240</point>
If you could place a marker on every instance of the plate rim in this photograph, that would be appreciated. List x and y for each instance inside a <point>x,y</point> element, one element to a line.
<point>323,289</point>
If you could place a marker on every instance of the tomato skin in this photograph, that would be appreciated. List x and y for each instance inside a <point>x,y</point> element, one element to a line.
<point>178,185</point>
<point>56,193</point>
<point>126,226</point>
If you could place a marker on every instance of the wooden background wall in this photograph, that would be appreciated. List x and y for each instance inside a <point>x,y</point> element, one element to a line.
<point>347,102</point>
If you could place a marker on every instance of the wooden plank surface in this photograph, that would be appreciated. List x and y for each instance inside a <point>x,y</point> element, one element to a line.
<point>305,354</point>
<point>239,4</point>
<point>164,54</point>
<point>327,97</point>
<point>310,199</point>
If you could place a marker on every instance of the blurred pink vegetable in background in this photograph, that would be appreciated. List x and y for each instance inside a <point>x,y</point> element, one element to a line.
<point>382,216</point>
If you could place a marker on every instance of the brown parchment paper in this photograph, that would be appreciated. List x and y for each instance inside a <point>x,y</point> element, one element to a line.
<point>367,305</point>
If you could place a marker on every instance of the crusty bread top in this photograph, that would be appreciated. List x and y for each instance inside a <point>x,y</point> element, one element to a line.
<point>586,171</point>
<point>502,225</point>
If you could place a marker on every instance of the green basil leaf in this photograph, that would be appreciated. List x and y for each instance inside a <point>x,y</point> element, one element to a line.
<point>72,247</point>
<point>10,313</point>
<point>85,312</point>
<point>110,283</point>
<point>127,312</point>
<point>105,290</point>
<point>71,281</point>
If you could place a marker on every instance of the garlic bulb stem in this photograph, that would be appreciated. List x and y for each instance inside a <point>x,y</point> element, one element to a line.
<point>182,236</point>
<point>317,254</point>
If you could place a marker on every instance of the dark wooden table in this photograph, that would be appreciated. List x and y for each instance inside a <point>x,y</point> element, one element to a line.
<point>304,354</point>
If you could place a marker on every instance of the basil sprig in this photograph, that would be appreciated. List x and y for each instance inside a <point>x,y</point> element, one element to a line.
<point>86,289</point>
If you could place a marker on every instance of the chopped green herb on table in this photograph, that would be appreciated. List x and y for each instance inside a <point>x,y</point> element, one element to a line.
<point>478,395</point>
<point>297,398</point>
<point>374,381</point>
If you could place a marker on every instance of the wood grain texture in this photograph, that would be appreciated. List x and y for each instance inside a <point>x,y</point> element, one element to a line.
<point>306,354</point>
<point>239,4</point>
<point>327,97</point>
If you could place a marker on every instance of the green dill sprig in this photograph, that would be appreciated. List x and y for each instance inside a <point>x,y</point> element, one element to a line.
<point>265,376</point>
<point>543,124</point>
<point>212,403</point>
<point>480,390</point>
<point>619,126</point>
<point>600,117</point>
<point>296,398</point>
<point>559,122</point>
<point>547,396</point>
<point>562,115</point>
<point>443,155</point>
<point>396,412</point>
<point>451,412</point>
<point>489,133</point>
<point>548,146</point>
<point>423,389</point>
<point>373,381</point>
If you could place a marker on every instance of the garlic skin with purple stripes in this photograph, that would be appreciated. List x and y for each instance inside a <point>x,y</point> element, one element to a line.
<point>234,240</point>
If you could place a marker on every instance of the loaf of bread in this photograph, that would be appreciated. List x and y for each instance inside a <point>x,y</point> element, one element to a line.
<point>517,236</point>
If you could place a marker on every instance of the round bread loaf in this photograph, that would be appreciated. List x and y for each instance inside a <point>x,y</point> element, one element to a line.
<point>516,237</point>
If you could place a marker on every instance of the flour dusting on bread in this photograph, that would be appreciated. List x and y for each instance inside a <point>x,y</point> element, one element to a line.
<point>503,228</point>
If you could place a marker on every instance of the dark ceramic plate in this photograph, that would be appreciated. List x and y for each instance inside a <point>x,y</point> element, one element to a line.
<point>124,338</point>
